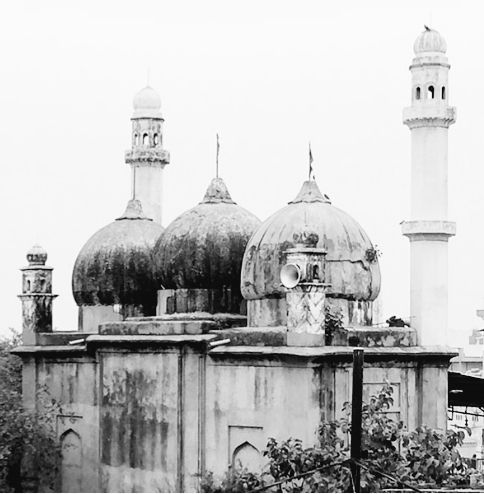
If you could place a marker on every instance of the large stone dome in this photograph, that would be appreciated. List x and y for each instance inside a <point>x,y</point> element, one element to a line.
<point>115,266</point>
<point>203,247</point>
<point>351,263</point>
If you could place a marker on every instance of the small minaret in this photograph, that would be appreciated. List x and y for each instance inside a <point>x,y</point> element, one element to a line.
<point>428,119</point>
<point>303,277</point>
<point>36,296</point>
<point>147,156</point>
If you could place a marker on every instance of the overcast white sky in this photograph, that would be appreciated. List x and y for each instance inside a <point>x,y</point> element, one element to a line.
<point>268,76</point>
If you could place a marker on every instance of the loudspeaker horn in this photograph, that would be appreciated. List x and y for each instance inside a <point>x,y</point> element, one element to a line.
<point>290,275</point>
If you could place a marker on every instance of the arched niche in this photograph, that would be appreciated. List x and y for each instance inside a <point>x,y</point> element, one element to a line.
<point>247,456</point>
<point>71,463</point>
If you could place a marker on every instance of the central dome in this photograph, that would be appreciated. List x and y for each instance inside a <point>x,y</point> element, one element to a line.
<point>203,247</point>
<point>351,263</point>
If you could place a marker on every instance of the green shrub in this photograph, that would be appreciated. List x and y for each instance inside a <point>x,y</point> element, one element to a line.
<point>423,457</point>
<point>29,450</point>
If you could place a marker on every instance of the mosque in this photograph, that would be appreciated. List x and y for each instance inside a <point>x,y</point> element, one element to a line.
<point>199,341</point>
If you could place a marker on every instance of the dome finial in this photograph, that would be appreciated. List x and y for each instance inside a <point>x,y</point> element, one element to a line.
<point>310,193</point>
<point>311,171</point>
<point>133,211</point>
<point>217,192</point>
<point>216,160</point>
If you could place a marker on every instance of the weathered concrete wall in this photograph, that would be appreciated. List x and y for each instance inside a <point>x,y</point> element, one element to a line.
<point>73,382</point>
<point>432,389</point>
<point>247,404</point>
<point>273,311</point>
<point>211,300</point>
<point>251,398</point>
<point>91,316</point>
<point>149,420</point>
<point>151,412</point>
<point>139,422</point>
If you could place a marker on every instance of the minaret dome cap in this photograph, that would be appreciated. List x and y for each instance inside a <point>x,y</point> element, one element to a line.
<point>147,103</point>
<point>36,255</point>
<point>429,41</point>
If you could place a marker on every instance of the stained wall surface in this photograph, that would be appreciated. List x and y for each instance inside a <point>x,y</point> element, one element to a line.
<point>149,420</point>
<point>157,417</point>
<point>73,383</point>
<point>282,398</point>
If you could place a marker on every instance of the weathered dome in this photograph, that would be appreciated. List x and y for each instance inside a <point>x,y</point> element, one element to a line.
<point>351,262</point>
<point>115,266</point>
<point>429,41</point>
<point>37,255</point>
<point>147,103</point>
<point>203,247</point>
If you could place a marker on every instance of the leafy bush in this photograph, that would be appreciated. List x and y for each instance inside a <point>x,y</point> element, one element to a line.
<point>423,457</point>
<point>28,440</point>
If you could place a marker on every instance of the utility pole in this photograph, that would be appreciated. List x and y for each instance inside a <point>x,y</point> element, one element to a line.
<point>356,405</point>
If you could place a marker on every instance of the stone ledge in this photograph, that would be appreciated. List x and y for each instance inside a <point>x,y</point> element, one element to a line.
<point>247,336</point>
<point>388,337</point>
<point>60,337</point>
<point>151,155</point>
<point>223,320</point>
<point>428,227</point>
<point>49,349</point>
<point>161,327</point>
<point>429,115</point>
<point>367,337</point>
<point>152,340</point>
<point>341,353</point>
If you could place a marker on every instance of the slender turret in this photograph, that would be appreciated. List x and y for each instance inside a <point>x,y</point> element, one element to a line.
<point>36,296</point>
<point>428,119</point>
<point>147,156</point>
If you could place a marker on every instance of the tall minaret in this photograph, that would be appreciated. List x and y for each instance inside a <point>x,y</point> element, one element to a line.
<point>36,296</point>
<point>147,156</point>
<point>428,119</point>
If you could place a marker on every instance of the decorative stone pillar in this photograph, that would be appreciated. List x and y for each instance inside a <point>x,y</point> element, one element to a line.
<point>303,276</point>
<point>36,296</point>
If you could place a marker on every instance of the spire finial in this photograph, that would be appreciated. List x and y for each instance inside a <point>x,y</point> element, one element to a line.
<point>216,160</point>
<point>311,171</point>
<point>148,76</point>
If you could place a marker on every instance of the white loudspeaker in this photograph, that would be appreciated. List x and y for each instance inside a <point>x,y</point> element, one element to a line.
<point>290,275</point>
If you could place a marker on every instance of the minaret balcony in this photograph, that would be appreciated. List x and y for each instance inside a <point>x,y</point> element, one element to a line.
<point>147,155</point>
<point>429,116</point>
<point>428,229</point>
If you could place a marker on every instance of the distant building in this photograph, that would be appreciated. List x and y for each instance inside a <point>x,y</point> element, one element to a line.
<point>469,362</point>
<point>199,341</point>
<point>477,337</point>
